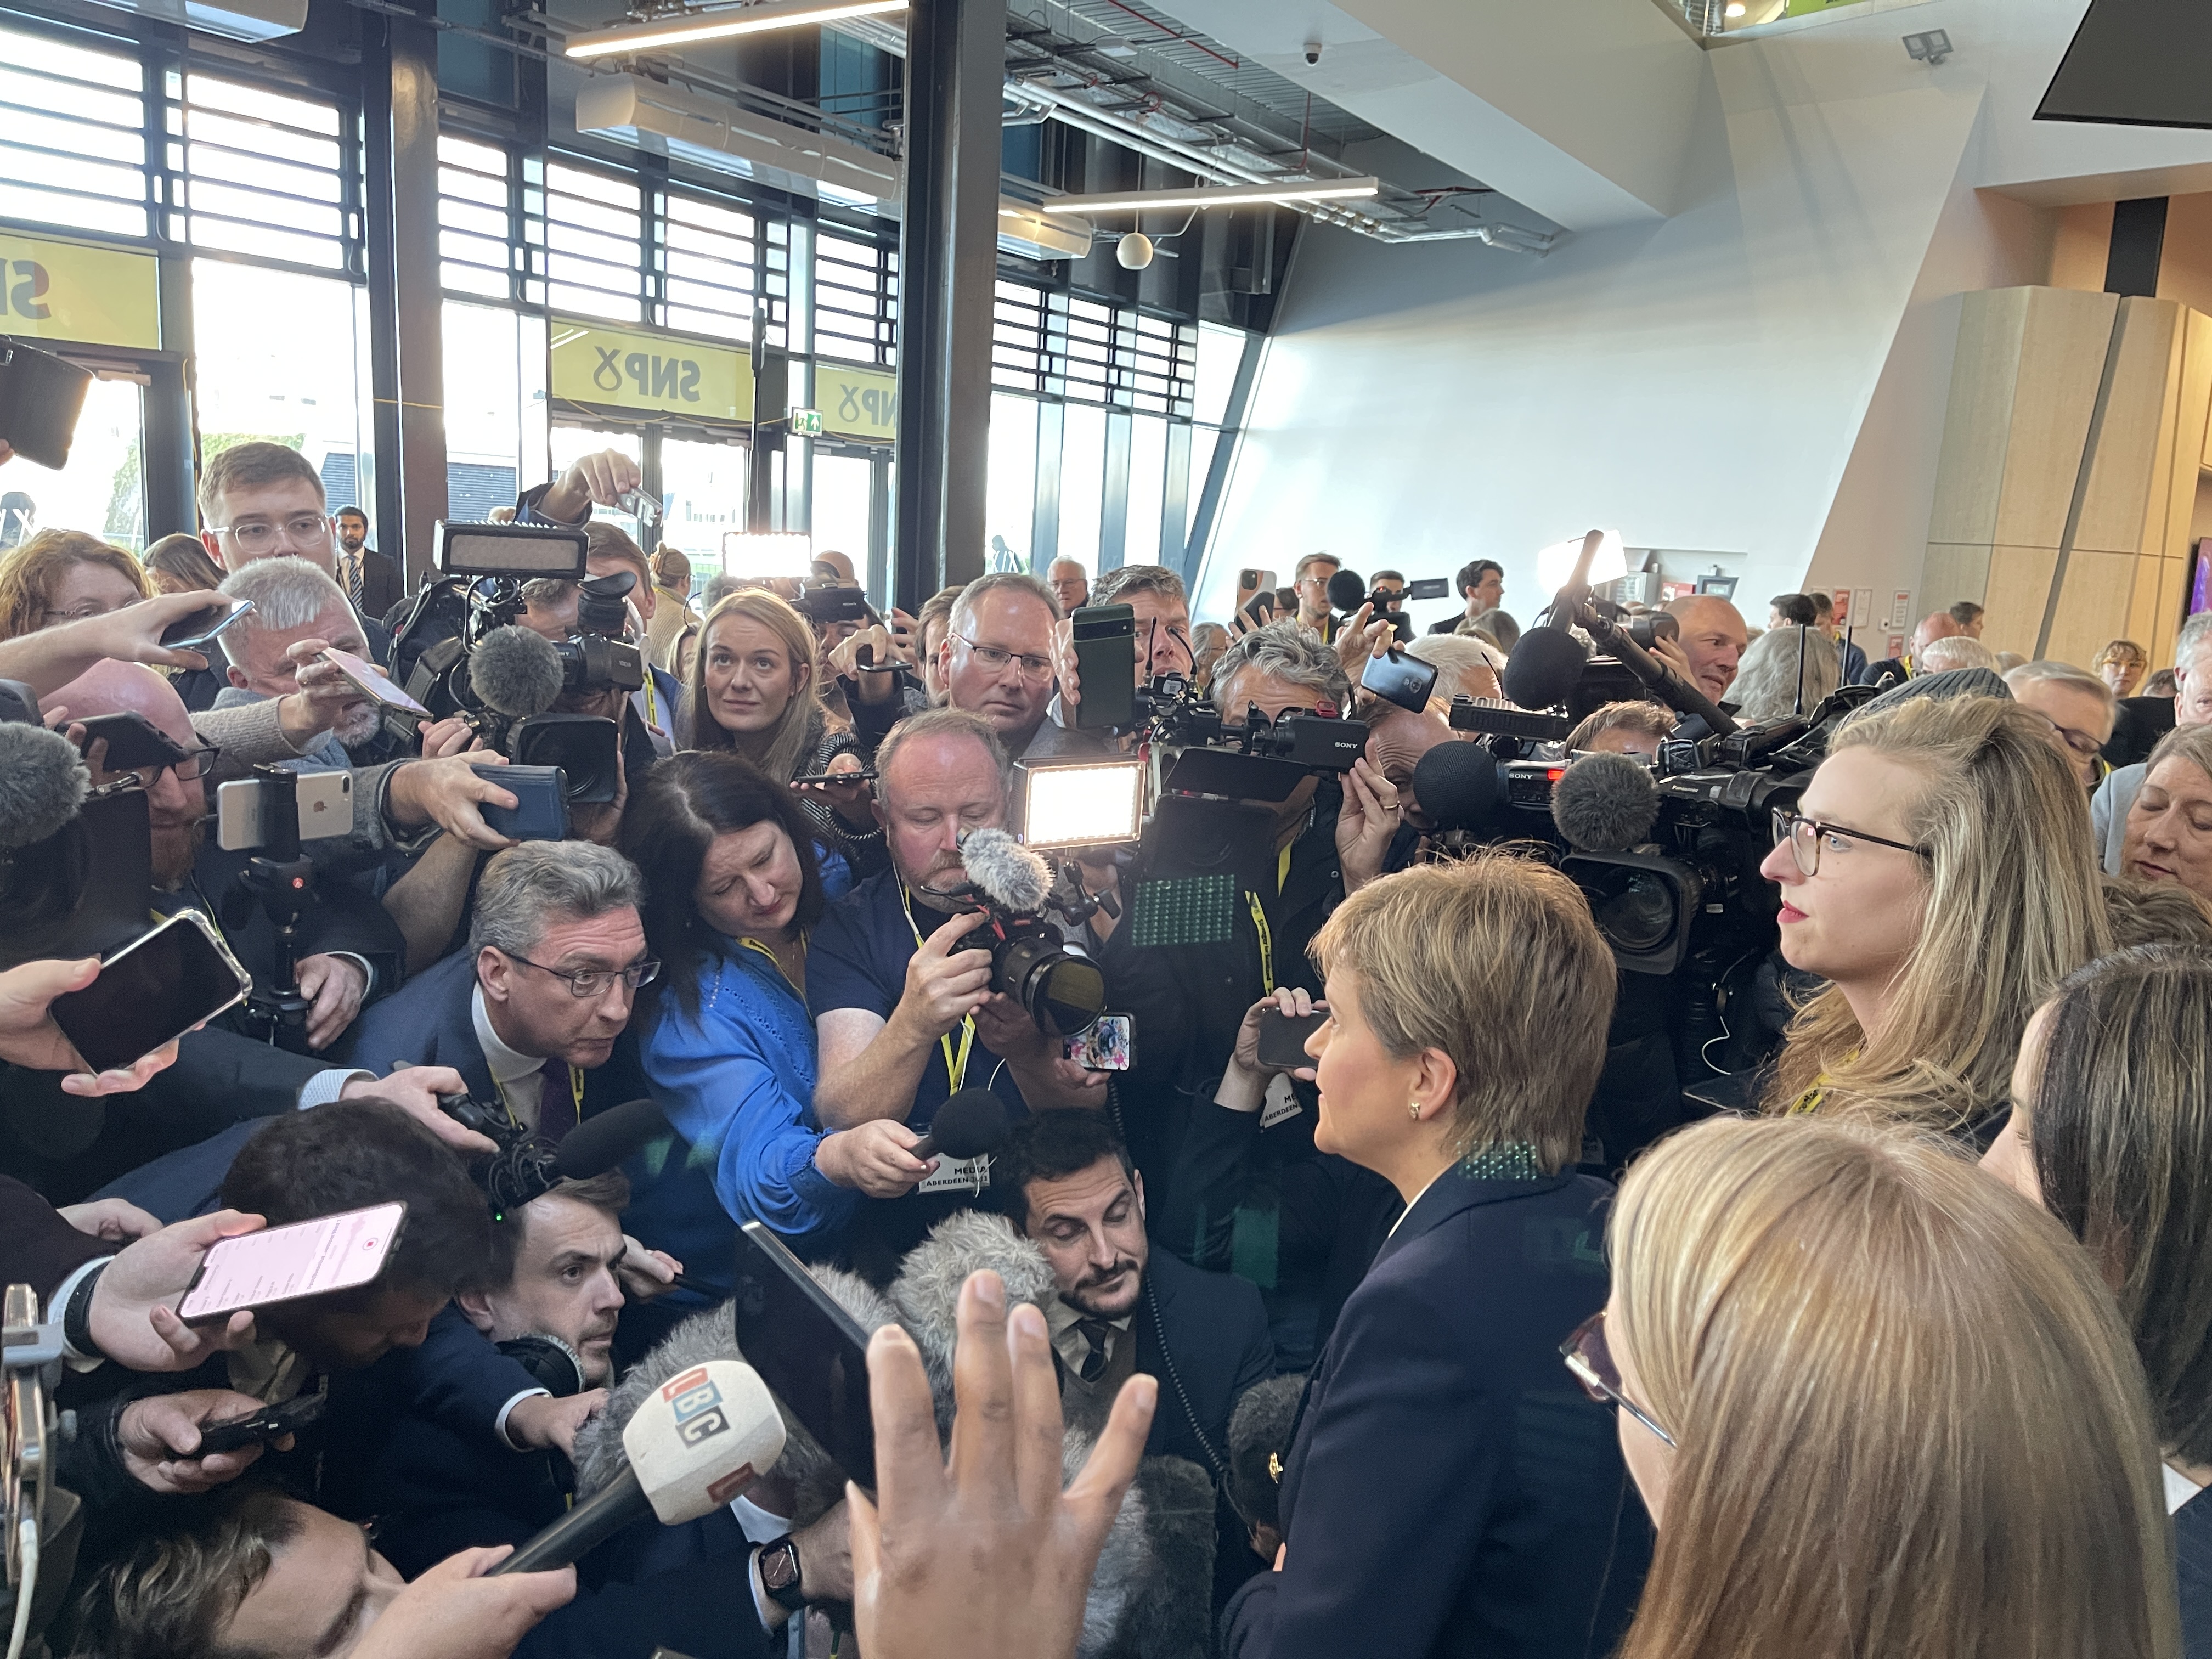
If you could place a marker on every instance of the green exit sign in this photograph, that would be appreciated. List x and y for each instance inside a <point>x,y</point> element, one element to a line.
<point>807,423</point>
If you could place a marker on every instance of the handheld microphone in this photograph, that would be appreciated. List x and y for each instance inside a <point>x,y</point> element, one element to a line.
<point>42,783</point>
<point>696,1442</point>
<point>1006,872</point>
<point>605,1138</point>
<point>969,1125</point>
<point>526,1167</point>
<point>1457,786</point>
<point>1544,667</point>
<point>1347,590</point>
<point>515,672</point>
<point>1604,804</point>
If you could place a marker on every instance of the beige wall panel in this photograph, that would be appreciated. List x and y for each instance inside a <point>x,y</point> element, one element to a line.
<point>2093,609</point>
<point>2173,604</point>
<point>2062,359</point>
<point>2145,603</point>
<point>1978,423</point>
<point>2019,582</point>
<point>2082,245</point>
<point>1953,571</point>
<point>2125,473</point>
<point>2193,424</point>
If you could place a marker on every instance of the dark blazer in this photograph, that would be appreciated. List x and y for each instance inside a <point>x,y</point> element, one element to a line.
<point>672,1205</point>
<point>380,580</point>
<point>41,1250</point>
<point>1213,1327</point>
<point>1450,1490</point>
<point>2192,1566</point>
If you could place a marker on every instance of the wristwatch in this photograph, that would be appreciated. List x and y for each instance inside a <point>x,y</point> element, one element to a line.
<point>779,1572</point>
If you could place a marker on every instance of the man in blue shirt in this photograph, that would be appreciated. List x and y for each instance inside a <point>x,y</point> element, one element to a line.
<point>904,1012</point>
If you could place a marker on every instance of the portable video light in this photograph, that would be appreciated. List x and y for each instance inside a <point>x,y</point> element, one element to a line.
<point>1079,803</point>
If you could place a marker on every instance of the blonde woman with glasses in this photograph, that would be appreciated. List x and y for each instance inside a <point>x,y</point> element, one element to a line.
<point>1939,873</point>
<point>1878,1408</point>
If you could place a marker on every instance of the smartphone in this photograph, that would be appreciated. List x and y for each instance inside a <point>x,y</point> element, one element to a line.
<point>865,774</point>
<point>1106,1046</point>
<point>199,630</point>
<point>40,397</point>
<point>270,1422</point>
<point>541,796</point>
<point>1105,641</point>
<point>1283,1037</point>
<point>133,741</point>
<point>153,990</point>
<point>1429,587</point>
<point>339,1252</point>
<point>811,1353</point>
<point>1262,610</point>
<point>325,801</point>
<point>1404,680</point>
<point>1251,582</point>
<point>373,683</point>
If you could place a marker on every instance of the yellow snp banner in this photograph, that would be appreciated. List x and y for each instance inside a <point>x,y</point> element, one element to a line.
<point>52,290</point>
<point>857,403</point>
<point>635,369</point>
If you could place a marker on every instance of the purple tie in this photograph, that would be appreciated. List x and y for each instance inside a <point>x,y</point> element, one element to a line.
<point>556,1101</point>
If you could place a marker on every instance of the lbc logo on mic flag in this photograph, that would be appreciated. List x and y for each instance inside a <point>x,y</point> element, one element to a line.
<point>697,1404</point>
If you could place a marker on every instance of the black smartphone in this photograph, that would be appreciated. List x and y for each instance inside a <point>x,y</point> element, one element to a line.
<point>40,397</point>
<point>1283,1038</point>
<point>865,774</point>
<point>197,631</point>
<point>153,989</point>
<point>541,797</point>
<point>1429,587</point>
<point>1404,680</point>
<point>811,1353</point>
<point>1105,639</point>
<point>133,741</point>
<point>270,1422</point>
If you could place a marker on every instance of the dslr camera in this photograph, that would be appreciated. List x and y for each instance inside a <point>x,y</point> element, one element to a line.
<point>1032,960</point>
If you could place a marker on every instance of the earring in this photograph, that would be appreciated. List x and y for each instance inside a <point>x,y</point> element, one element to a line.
<point>1413,1110</point>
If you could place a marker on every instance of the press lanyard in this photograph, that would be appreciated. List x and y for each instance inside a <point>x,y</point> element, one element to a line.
<point>956,1062</point>
<point>1259,922</point>
<point>575,1093</point>
<point>776,963</point>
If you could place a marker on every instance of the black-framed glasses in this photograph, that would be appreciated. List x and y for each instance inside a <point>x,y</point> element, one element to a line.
<point>196,764</point>
<point>1591,1361</point>
<point>995,657</point>
<point>594,981</point>
<point>1805,835</point>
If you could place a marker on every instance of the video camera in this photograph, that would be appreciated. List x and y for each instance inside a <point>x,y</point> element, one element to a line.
<point>1348,591</point>
<point>503,678</point>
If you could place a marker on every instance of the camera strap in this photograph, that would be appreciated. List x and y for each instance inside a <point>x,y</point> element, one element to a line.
<point>956,1061</point>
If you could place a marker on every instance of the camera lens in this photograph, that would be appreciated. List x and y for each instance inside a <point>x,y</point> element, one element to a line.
<point>1635,910</point>
<point>1063,992</point>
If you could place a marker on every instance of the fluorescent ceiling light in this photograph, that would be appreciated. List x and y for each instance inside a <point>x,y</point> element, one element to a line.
<point>722,23</point>
<point>1141,201</point>
<point>714,133</point>
<point>1030,232</point>
<point>234,19</point>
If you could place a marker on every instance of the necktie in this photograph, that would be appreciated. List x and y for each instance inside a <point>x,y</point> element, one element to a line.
<point>556,1101</point>
<point>354,589</point>
<point>1098,1333</point>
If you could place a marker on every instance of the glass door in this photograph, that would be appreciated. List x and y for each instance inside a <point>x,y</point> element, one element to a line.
<point>102,490</point>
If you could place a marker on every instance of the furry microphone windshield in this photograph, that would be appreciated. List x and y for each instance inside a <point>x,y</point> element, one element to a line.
<point>1010,876</point>
<point>516,672</point>
<point>42,783</point>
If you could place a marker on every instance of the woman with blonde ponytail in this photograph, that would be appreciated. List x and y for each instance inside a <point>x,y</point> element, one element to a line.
<point>1940,874</point>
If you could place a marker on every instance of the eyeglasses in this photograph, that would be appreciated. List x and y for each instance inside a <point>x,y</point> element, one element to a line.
<point>1805,835</point>
<point>594,981</point>
<point>993,658</point>
<point>1592,1362</point>
<point>2084,746</point>
<point>302,530</point>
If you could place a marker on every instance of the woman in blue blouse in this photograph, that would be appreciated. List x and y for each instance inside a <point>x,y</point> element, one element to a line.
<point>734,881</point>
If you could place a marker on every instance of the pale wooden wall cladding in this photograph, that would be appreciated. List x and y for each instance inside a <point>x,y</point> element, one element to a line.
<point>2023,395</point>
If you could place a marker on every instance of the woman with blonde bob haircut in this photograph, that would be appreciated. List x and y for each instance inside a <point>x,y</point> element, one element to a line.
<point>1444,1494</point>
<point>1939,872</point>
<point>752,691</point>
<point>1901,1415</point>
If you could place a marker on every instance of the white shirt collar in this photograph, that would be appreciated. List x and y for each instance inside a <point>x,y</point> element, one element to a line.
<point>1072,1346</point>
<point>507,1066</point>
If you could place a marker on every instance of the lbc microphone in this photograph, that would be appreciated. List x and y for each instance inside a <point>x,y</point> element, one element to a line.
<point>696,1442</point>
<point>1605,804</point>
<point>969,1125</point>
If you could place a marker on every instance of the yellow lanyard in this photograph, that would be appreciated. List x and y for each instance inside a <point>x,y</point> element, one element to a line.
<point>776,963</point>
<point>575,1093</point>
<point>956,1061</point>
<point>1260,922</point>
<point>652,715</point>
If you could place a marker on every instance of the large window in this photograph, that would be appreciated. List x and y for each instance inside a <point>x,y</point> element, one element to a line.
<point>594,229</point>
<point>72,136</point>
<point>100,490</point>
<point>702,488</point>
<point>264,174</point>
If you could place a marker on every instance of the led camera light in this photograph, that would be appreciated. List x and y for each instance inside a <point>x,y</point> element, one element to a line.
<point>1083,804</point>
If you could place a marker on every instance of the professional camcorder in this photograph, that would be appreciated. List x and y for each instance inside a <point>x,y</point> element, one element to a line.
<point>481,664</point>
<point>1348,591</point>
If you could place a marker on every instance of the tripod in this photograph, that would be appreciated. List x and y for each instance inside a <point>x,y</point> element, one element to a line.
<point>283,881</point>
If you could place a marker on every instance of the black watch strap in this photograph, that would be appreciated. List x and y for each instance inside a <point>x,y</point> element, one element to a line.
<point>76,1318</point>
<point>779,1570</point>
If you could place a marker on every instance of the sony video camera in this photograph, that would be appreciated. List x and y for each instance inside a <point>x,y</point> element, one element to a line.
<point>504,678</point>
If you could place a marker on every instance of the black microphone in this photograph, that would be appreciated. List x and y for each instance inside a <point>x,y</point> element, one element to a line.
<point>1604,802</point>
<point>1544,668</point>
<point>42,783</point>
<point>1347,590</point>
<point>605,1138</point>
<point>527,1167</point>
<point>969,1125</point>
<point>1457,784</point>
<point>515,672</point>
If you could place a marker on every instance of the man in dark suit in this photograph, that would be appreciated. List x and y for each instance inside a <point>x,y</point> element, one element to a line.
<point>370,579</point>
<point>1065,1180</point>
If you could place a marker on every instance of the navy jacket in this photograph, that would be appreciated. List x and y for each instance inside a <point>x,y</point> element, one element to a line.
<point>1451,1490</point>
<point>672,1204</point>
<point>1215,1329</point>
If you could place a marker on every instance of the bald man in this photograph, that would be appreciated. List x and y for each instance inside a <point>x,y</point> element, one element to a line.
<point>1712,644</point>
<point>1066,578</point>
<point>1935,625</point>
<point>1397,739</point>
<point>350,946</point>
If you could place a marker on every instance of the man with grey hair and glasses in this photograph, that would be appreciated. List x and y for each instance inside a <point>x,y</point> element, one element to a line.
<point>2192,705</point>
